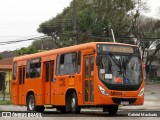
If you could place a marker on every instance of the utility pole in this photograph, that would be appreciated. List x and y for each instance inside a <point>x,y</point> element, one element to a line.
<point>42,45</point>
<point>74,22</point>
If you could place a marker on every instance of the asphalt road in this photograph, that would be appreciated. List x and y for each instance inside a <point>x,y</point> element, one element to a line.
<point>87,114</point>
<point>153,96</point>
<point>100,113</point>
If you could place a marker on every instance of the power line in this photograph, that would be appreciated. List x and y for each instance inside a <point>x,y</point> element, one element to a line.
<point>7,36</point>
<point>141,39</point>
<point>91,36</point>
<point>30,39</point>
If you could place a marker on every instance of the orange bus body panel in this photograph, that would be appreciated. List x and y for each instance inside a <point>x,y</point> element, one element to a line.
<point>54,92</point>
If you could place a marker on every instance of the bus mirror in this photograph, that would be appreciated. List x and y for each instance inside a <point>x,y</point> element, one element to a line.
<point>98,59</point>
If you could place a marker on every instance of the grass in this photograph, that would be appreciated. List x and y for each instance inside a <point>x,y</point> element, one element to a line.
<point>6,102</point>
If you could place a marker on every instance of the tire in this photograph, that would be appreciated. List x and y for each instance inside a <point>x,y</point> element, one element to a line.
<point>31,105</point>
<point>74,103</point>
<point>112,109</point>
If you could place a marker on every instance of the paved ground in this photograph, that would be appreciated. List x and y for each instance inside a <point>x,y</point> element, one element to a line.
<point>152,88</point>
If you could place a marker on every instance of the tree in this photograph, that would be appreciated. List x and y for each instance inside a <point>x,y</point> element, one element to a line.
<point>148,38</point>
<point>1,57</point>
<point>47,44</point>
<point>26,50</point>
<point>94,19</point>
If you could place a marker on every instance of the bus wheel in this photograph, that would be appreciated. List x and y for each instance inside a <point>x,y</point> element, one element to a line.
<point>74,103</point>
<point>31,103</point>
<point>112,109</point>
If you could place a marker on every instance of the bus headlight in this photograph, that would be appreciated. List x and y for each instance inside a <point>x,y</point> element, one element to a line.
<point>141,92</point>
<point>103,91</point>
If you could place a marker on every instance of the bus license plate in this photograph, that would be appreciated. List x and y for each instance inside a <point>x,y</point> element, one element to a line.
<point>124,103</point>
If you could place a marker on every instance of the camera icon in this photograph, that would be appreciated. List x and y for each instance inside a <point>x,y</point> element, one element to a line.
<point>6,114</point>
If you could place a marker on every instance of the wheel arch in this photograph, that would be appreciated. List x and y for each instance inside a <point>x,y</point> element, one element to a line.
<point>69,92</point>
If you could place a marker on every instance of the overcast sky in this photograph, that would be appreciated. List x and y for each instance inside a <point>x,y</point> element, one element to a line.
<point>19,19</point>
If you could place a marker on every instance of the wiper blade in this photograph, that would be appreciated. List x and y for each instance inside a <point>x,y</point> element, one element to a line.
<point>114,60</point>
<point>118,64</point>
<point>123,65</point>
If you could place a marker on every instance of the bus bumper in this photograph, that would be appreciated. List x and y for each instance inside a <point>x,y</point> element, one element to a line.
<point>115,100</point>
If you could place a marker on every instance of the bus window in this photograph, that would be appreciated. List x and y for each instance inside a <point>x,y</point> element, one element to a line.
<point>47,72</point>
<point>79,62</point>
<point>35,68</point>
<point>86,67</point>
<point>21,75</point>
<point>92,67</point>
<point>27,69</point>
<point>68,63</point>
<point>14,71</point>
<point>62,65</point>
<point>57,65</point>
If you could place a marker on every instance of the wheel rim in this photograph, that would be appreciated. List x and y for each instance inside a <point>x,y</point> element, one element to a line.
<point>73,103</point>
<point>31,104</point>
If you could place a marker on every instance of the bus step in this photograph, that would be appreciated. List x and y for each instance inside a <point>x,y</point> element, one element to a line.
<point>48,106</point>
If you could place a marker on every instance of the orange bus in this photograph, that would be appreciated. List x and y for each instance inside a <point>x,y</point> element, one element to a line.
<point>96,74</point>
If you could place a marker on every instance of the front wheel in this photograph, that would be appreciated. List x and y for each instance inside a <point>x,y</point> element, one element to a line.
<point>112,109</point>
<point>72,103</point>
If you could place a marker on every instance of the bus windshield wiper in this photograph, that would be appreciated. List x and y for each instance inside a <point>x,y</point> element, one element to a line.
<point>118,64</point>
<point>124,65</point>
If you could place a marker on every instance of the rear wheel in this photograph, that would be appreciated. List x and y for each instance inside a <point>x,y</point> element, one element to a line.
<point>31,103</point>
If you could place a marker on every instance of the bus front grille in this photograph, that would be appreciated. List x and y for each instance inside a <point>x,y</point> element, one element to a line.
<point>119,100</point>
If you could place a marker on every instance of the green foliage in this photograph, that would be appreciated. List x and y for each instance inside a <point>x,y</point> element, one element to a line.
<point>48,44</point>
<point>6,102</point>
<point>26,50</point>
<point>95,18</point>
<point>1,57</point>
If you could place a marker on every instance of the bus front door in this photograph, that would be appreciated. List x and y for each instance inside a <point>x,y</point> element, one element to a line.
<point>21,78</point>
<point>49,76</point>
<point>88,79</point>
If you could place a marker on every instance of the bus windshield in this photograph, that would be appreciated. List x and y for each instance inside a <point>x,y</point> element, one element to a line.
<point>120,69</point>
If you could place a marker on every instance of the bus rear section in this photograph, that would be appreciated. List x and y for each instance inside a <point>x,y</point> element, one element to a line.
<point>102,75</point>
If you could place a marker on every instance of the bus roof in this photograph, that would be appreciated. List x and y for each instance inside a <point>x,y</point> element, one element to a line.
<point>65,50</point>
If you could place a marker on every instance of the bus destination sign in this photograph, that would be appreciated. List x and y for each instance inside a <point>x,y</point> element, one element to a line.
<point>115,48</point>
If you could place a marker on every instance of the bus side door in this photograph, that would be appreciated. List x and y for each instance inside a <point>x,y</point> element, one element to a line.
<point>88,79</point>
<point>21,77</point>
<point>14,85</point>
<point>49,76</point>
